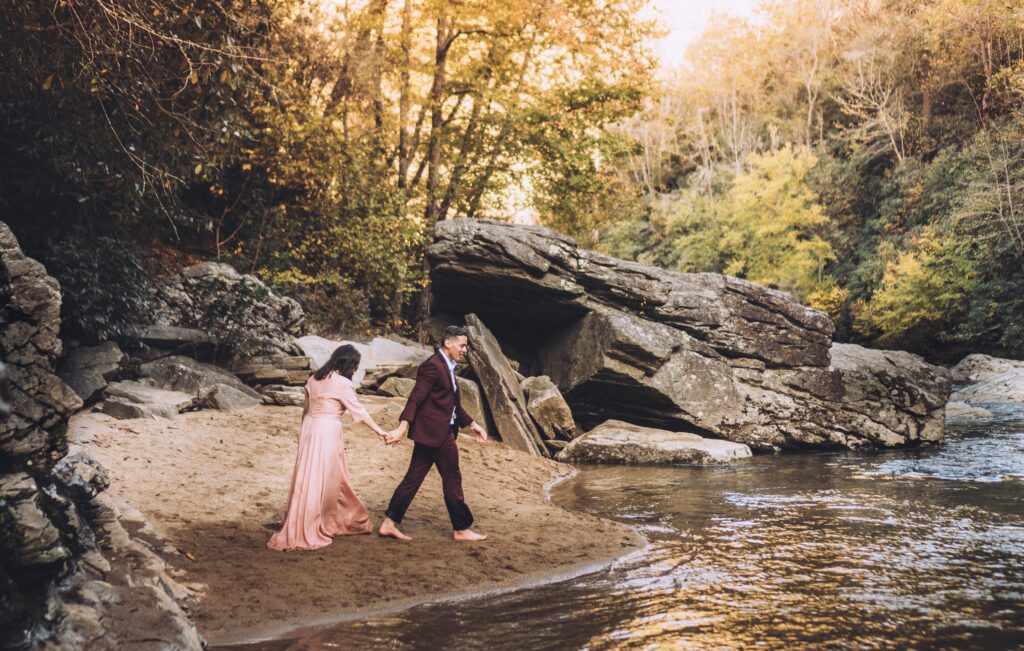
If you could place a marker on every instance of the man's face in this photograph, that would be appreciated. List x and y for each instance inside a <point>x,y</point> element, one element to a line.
<point>456,347</point>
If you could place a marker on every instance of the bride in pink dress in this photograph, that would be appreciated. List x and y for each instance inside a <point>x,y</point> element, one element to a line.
<point>321,503</point>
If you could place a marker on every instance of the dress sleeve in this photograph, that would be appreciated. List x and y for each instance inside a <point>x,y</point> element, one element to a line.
<point>346,393</point>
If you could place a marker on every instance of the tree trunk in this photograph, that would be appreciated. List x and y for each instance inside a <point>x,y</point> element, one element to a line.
<point>433,162</point>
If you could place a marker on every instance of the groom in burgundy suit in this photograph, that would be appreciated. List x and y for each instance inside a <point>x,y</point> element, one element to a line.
<point>432,418</point>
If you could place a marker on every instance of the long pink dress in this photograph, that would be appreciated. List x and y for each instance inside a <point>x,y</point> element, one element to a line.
<point>321,503</point>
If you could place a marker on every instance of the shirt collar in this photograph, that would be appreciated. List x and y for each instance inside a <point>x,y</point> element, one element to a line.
<point>451,364</point>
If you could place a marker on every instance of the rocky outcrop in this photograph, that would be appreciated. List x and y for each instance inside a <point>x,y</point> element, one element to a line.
<point>237,311</point>
<point>58,589</point>
<point>501,389</point>
<point>618,442</point>
<point>705,352</point>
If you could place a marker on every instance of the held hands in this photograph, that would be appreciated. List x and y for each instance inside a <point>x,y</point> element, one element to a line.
<point>395,436</point>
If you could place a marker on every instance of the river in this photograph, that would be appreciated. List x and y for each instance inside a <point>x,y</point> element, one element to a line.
<point>919,549</point>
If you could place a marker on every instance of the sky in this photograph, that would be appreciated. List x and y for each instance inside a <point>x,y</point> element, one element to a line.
<point>686,19</point>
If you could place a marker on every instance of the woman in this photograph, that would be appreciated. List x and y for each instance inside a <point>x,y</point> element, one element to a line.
<point>321,503</point>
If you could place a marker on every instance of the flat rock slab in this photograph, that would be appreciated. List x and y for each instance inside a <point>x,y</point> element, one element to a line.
<point>618,442</point>
<point>962,410</point>
<point>181,373</point>
<point>130,399</point>
<point>1007,386</point>
<point>274,369</point>
<point>283,395</point>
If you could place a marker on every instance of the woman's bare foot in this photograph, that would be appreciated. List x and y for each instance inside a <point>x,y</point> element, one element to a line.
<point>468,535</point>
<point>389,529</point>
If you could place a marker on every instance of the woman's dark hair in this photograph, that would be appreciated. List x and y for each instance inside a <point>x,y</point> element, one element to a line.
<point>344,360</point>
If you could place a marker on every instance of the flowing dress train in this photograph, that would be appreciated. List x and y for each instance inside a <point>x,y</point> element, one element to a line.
<point>321,503</point>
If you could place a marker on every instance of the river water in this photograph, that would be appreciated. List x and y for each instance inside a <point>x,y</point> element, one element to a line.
<point>920,549</point>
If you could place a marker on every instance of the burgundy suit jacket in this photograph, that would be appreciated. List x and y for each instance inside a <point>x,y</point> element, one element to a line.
<point>429,408</point>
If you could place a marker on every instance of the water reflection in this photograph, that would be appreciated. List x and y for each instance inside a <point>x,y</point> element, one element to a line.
<point>920,549</point>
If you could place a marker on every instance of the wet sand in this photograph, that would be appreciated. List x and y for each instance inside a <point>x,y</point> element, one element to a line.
<point>212,485</point>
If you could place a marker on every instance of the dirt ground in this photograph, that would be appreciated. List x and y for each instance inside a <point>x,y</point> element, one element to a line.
<point>212,485</point>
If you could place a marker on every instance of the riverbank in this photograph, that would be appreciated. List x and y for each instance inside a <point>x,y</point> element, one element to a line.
<point>211,485</point>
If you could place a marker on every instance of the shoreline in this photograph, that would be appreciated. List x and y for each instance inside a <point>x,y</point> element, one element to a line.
<point>284,632</point>
<point>210,484</point>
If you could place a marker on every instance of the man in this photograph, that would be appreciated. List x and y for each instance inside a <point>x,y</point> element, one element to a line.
<point>432,418</point>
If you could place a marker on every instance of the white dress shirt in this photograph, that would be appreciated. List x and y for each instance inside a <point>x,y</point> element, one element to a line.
<point>451,373</point>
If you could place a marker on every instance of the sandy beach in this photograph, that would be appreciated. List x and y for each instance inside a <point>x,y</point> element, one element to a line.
<point>212,485</point>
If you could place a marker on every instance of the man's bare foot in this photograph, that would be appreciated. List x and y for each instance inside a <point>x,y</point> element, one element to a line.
<point>468,535</point>
<point>389,529</point>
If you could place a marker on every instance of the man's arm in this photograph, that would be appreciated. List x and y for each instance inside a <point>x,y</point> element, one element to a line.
<point>426,376</point>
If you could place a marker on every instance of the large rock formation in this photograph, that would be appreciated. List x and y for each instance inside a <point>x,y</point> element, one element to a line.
<point>236,311</point>
<point>57,589</point>
<point>704,352</point>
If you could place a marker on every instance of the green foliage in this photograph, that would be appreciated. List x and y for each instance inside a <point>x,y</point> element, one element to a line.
<point>907,229</point>
<point>770,233</point>
<point>926,289</point>
<point>104,287</point>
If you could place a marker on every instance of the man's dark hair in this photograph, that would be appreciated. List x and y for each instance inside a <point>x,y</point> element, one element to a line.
<point>451,332</point>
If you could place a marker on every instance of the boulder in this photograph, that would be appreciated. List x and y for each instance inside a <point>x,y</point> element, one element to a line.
<point>283,395</point>
<point>549,410</point>
<point>618,442</point>
<point>1007,386</point>
<point>184,374</point>
<point>228,398</point>
<point>130,399</point>
<point>502,391</point>
<point>375,377</point>
<point>976,367</point>
<point>274,369</point>
<point>88,369</point>
<point>679,351</point>
<point>398,387</point>
<point>956,409</point>
<point>233,309</point>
